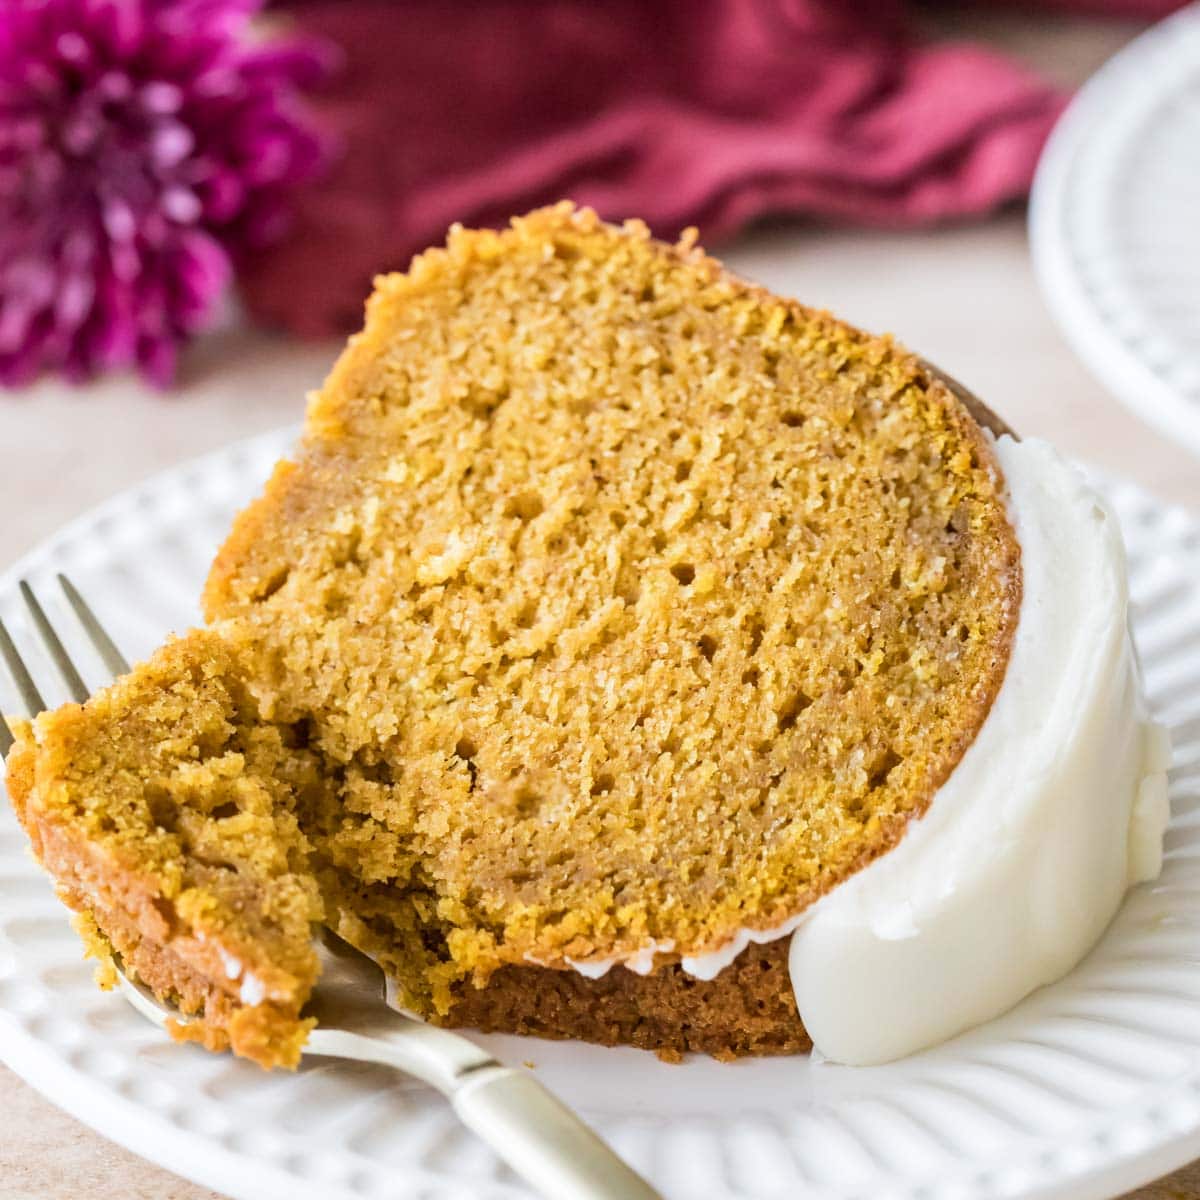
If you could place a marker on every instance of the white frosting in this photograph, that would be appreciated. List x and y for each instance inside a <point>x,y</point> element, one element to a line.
<point>253,991</point>
<point>1057,807</point>
<point>232,965</point>
<point>641,962</point>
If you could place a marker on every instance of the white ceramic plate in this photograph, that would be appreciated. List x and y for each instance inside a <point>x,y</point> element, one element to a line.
<point>1115,225</point>
<point>1088,1088</point>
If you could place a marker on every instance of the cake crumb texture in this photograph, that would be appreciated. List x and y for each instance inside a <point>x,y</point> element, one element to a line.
<point>164,809</point>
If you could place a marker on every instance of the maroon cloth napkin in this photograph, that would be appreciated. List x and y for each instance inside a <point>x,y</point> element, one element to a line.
<point>706,112</point>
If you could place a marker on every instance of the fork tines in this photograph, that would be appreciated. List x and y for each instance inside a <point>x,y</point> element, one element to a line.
<point>31,697</point>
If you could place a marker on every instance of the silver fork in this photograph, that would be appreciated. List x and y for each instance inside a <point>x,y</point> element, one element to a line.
<point>526,1125</point>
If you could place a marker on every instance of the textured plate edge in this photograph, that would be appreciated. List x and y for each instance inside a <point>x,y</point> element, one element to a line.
<point>1123,1175</point>
<point>282,440</point>
<point>124,1122</point>
<point>1105,356</point>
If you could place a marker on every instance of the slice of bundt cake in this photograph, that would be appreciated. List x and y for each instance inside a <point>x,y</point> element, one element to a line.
<point>165,811</point>
<point>612,611</point>
<point>631,607</point>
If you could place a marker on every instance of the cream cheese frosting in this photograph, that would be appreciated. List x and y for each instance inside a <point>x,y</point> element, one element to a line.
<point>1022,859</point>
<point>1054,811</point>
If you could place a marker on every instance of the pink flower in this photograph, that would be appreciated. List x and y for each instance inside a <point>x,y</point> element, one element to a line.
<point>146,147</point>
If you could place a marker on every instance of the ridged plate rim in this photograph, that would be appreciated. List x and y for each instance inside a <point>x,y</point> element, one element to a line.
<point>1157,76</point>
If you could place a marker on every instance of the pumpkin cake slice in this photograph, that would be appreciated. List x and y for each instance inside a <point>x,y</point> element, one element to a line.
<point>613,618</point>
<point>165,812</point>
<point>631,608</point>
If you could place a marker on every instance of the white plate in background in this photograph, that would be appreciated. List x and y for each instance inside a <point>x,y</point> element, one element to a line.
<point>1088,1088</point>
<point>1115,226</point>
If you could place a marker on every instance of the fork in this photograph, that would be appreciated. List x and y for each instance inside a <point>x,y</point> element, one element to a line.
<point>529,1128</point>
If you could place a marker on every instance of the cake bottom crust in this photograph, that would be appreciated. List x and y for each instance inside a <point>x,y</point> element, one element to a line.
<point>749,1008</point>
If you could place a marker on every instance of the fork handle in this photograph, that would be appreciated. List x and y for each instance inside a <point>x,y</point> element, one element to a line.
<point>541,1139</point>
<point>526,1125</point>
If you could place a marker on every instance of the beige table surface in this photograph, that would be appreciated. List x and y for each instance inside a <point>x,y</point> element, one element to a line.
<point>966,297</point>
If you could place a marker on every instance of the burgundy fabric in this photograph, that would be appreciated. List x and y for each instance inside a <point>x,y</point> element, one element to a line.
<point>683,112</point>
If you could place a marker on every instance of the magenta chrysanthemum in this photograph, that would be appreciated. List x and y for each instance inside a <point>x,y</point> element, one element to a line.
<point>145,147</point>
